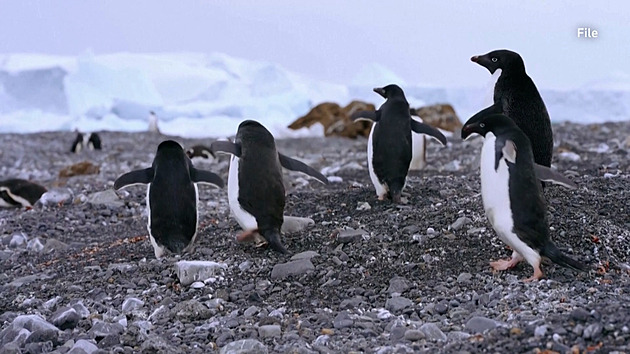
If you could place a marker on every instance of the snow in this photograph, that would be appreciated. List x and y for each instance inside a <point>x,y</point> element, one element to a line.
<point>208,95</point>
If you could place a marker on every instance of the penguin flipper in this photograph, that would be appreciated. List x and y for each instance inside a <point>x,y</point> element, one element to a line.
<point>226,146</point>
<point>422,128</point>
<point>295,165</point>
<point>206,177</point>
<point>374,116</point>
<point>546,174</point>
<point>134,177</point>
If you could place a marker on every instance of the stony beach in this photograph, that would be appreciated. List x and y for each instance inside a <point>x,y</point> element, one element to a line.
<point>78,274</point>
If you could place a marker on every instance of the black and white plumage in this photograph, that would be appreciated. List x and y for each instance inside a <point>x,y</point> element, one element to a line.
<point>516,96</point>
<point>256,191</point>
<point>17,192</point>
<point>91,141</point>
<point>389,147</point>
<point>200,151</point>
<point>512,195</point>
<point>172,197</point>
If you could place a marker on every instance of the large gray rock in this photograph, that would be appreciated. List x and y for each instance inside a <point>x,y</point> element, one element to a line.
<point>480,324</point>
<point>297,267</point>
<point>432,331</point>
<point>292,224</point>
<point>65,318</point>
<point>397,285</point>
<point>304,255</point>
<point>83,345</point>
<point>269,331</point>
<point>131,304</point>
<point>32,323</point>
<point>101,329</point>
<point>107,197</point>
<point>244,346</point>
<point>398,303</point>
<point>189,272</point>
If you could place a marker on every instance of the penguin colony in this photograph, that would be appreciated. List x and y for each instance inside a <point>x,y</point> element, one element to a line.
<point>515,158</point>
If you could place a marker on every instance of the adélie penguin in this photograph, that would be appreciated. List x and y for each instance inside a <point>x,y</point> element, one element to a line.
<point>256,193</point>
<point>512,196</point>
<point>15,192</point>
<point>389,147</point>
<point>516,96</point>
<point>172,197</point>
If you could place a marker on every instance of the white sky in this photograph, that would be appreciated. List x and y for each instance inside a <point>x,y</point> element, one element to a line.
<point>424,42</point>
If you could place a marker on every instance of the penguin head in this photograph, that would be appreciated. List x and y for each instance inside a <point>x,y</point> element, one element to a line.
<point>503,59</point>
<point>168,150</point>
<point>252,132</point>
<point>484,123</point>
<point>390,91</point>
<point>199,151</point>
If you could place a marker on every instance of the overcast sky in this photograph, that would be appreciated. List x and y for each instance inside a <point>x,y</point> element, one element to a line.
<point>424,42</point>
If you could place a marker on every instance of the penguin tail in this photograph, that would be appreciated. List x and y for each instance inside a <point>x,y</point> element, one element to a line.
<point>273,239</point>
<point>555,255</point>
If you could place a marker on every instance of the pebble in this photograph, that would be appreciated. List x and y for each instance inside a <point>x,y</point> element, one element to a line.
<point>398,303</point>
<point>18,240</point>
<point>414,335</point>
<point>397,285</point>
<point>304,255</point>
<point>102,329</point>
<point>480,324</point>
<point>191,310</point>
<point>592,331</point>
<point>244,346</point>
<point>189,272</point>
<point>269,331</point>
<point>293,224</point>
<point>362,206</point>
<point>108,198</point>
<point>84,345</point>
<point>464,278</point>
<point>65,318</point>
<point>580,314</point>
<point>297,267</point>
<point>53,245</point>
<point>460,222</point>
<point>35,245</point>
<point>540,331</point>
<point>351,235</point>
<point>342,320</point>
<point>432,331</point>
<point>131,304</point>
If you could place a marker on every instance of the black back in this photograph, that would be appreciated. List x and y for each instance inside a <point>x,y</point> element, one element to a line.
<point>261,190</point>
<point>516,96</point>
<point>172,198</point>
<point>23,188</point>
<point>95,140</point>
<point>77,144</point>
<point>391,139</point>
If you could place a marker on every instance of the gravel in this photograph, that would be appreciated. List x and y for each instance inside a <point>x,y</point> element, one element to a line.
<point>78,275</point>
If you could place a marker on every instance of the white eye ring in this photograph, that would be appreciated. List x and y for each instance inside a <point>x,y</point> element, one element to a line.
<point>482,125</point>
<point>494,59</point>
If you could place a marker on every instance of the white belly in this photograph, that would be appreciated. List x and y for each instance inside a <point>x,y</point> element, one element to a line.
<point>381,189</point>
<point>17,198</point>
<point>488,99</point>
<point>246,220</point>
<point>157,249</point>
<point>496,200</point>
<point>418,155</point>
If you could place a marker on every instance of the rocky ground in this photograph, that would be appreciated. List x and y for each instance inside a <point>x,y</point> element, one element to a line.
<point>79,275</point>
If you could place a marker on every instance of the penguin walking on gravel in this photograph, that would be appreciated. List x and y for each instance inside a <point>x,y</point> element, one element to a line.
<point>516,96</point>
<point>512,196</point>
<point>172,197</point>
<point>256,191</point>
<point>17,192</point>
<point>389,147</point>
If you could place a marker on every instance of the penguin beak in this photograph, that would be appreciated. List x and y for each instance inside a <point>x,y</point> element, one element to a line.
<point>475,59</point>
<point>469,129</point>
<point>380,91</point>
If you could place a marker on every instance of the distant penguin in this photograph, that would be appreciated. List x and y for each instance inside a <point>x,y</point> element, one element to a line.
<point>172,197</point>
<point>153,123</point>
<point>256,191</point>
<point>18,192</point>
<point>516,96</point>
<point>200,151</point>
<point>90,141</point>
<point>512,196</point>
<point>389,147</point>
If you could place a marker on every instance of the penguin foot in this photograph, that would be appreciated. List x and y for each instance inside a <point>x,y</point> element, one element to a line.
<point>537,275</point>
<point>251,236</point>
<point>381,197</point>
<point>503,264</point>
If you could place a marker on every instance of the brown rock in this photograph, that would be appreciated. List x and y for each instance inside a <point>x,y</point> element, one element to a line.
<point>336,120</point>
<point>81,168</point>
<point>441,116</point>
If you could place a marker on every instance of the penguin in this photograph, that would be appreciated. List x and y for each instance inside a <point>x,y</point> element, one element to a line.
<point>418,149</point>
<point>516,96</point>
<point>153,123</point>
<point>389,147</point>
<point>200,151</point>
<point>172,197</point>
<point>512,196</point>
<point>256,193</point>
<point>17,192</point>
<point>91,141</point>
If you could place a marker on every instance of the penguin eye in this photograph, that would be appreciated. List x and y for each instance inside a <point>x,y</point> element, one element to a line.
<point>482,125</point>
<point>494,59</point>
